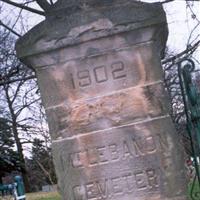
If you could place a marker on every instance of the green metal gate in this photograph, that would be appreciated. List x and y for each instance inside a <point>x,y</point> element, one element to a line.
<point>191,98</point>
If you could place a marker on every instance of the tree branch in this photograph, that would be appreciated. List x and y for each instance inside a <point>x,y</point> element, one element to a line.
<point>188,50</point>
<point>44,4</point>
<point>45,171</point>
<point>16,80</point>
<point>20,5</point>
<point>166,1</point>
<point>10,29</point>
<point>18,112</point>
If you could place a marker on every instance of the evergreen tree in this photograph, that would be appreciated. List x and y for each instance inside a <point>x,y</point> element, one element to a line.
<point>9,160</point>
<point>40,166</point>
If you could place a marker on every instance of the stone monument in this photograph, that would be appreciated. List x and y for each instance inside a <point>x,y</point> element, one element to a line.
<point>99,71</point>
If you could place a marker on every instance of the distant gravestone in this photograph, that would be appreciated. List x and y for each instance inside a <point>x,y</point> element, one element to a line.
<point>49,188</point>
<point>99,72</point>
<point>46,188</point>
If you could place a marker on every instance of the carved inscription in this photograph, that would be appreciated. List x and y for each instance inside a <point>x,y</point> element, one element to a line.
<point>124,150</point>
<point>123,184</point>
<point>99,74</point>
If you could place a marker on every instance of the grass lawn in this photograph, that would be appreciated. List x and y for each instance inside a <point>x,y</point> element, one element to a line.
<point>43,196</point>
<point>56,196</point>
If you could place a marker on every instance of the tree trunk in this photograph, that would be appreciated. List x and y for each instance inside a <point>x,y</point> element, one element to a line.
<point>17,141</point>
<point>21,157</point>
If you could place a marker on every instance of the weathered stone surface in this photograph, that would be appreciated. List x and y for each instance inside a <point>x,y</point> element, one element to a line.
<point>119,108</point>
<point>127,162</point>
<point>99,74</point>
<point>117,17</point>
<point>98,67</point>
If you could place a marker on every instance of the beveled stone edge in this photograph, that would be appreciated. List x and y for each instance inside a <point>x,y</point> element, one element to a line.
<point>60,5</point>
<point>28,44</point>
<point>148,120</point>
<point>82,129</point>
<point>23,54</point>
<point>149,84</point>
<point>103,52</point>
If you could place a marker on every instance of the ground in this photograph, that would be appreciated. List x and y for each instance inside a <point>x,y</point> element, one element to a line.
<point>39,196</point>
<point>56,196</point>
<point>43,196</point>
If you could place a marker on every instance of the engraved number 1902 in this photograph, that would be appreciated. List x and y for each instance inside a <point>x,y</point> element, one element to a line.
<point>99,74</point>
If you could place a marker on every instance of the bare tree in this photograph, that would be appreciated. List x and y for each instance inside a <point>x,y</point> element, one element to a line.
<point>19,101</point>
